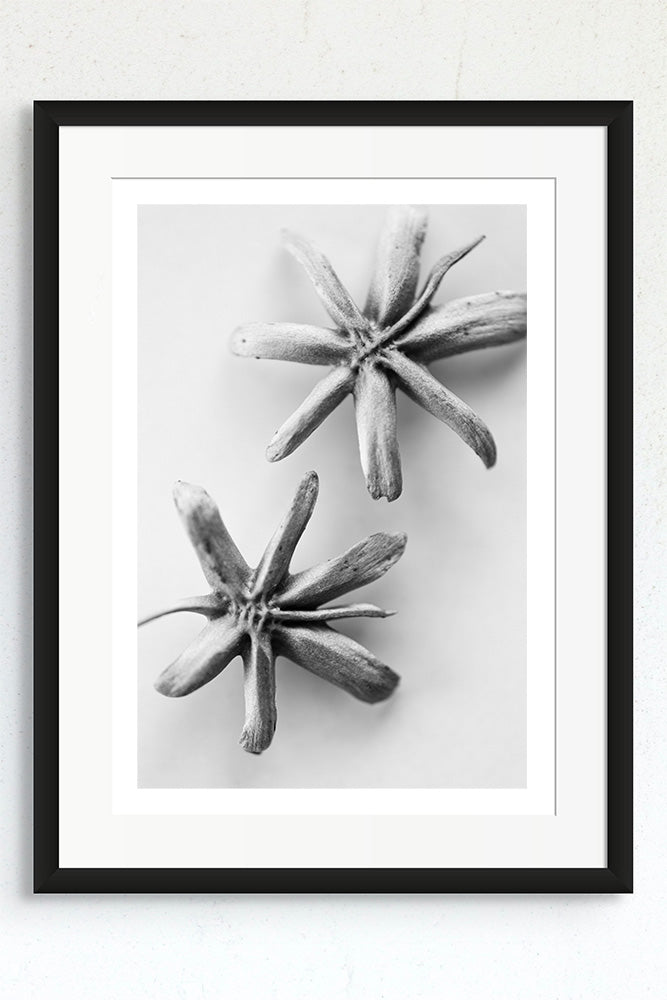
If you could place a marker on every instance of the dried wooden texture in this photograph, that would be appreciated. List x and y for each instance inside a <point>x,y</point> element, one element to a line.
<point>315,408</point>
<point>396,273</point>
<point>259,691</point>
<point>215,646</point>
<point>488,320</point>
<point>260,613</point>
<point>436,399</point>
<point>311,345</point>
<point>338,659</point>
<point>375,409</point>
<point>385,347</point>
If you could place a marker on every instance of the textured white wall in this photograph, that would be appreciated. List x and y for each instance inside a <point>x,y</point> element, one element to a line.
<point>472,947</point>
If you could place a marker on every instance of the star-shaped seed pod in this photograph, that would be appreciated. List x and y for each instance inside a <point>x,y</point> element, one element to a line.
<point>264,612</point>
<point>385,347</point>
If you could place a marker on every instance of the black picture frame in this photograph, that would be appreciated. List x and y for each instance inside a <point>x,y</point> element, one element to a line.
<point>616,118</point>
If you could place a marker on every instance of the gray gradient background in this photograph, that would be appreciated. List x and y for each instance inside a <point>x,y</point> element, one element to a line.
<point>458,642</point>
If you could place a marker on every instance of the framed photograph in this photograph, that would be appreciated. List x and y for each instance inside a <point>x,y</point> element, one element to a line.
<point>333,497</point>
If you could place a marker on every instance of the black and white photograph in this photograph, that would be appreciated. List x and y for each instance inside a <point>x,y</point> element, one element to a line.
<point>332,477</point>
<point>332,411</point>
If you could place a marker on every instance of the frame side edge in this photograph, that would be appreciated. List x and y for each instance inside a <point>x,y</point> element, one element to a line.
<point>45,472</point>
<point>620,496</point>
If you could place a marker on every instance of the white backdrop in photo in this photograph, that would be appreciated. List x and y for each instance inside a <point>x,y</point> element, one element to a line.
<point>458,718</point>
